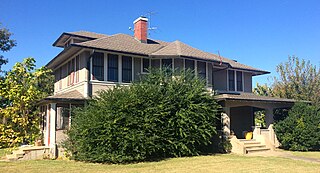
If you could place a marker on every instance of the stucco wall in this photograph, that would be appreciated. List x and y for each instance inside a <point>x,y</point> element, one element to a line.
<point>241,119</point>
<point>220,80</point>
<point>100,86</point>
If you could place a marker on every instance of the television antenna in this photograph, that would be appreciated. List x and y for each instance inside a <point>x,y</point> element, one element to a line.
<point>149,15</point>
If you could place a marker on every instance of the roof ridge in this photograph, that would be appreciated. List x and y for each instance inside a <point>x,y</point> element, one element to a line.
<point>178,44</point>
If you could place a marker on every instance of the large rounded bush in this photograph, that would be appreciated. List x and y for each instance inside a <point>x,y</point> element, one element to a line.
<point>161,116</point>
<point>300,130</point>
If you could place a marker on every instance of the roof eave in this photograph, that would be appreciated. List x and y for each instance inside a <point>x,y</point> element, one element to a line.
<point>70,35</point>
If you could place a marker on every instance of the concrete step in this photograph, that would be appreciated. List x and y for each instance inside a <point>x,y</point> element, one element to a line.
<point>18,153</point>
<point>245,143</point>
<point>255,146</point>
<point>253,150</point>
<point>246,140</point>
<point>12,157</point>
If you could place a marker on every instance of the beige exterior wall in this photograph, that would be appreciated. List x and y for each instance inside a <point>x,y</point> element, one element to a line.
<point>97,86</point>
<point>220,80</point>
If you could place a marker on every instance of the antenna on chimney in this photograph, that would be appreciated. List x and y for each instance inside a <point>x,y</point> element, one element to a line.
<point>148,15</point>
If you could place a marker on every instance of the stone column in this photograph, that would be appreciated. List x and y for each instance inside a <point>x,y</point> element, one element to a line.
<point>52,145</point>
<point>225,118</point>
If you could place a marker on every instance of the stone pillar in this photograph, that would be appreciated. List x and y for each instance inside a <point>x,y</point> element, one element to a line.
<point>52,144</point>
<point>225,118</point>
<point>269,117</point>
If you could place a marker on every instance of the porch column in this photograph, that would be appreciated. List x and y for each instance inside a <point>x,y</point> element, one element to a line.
<point>269,116</point>
<point>47,132</point>
<point>225,119</point>
<point>52,144</point>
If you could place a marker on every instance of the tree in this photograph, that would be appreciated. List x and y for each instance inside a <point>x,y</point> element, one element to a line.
<point>21,89</point>
<point>158,117</point>
<point>6,43</point>
<point>300,130</point>
<point>298,79</point>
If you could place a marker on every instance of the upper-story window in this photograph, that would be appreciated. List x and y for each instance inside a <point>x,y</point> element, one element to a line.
<point>202,70</point>
<point>126,69</point>
<point>189,64</point>
<point>145,65</point>
<point>71,72</point>
<point>235,80</point>
<point>167,63</point>
<point>97,65</point>
<point>113,65</point>
<point>77,68</point>
<point>239,81</point>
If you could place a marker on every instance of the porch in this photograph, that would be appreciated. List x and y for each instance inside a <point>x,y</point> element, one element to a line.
<point>56,119</point>
<point>238,118</point>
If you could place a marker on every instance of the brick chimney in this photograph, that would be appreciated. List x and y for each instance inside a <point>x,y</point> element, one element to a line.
<point>141,29</point>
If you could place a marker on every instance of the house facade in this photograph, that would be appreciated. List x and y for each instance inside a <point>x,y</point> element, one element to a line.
<point>90,62</point>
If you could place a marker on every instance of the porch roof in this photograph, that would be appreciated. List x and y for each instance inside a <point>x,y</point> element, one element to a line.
<point>252,97</point>
<point>67,97</point>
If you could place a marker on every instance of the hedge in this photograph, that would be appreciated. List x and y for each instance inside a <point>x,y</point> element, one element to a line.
<point>159,117</point>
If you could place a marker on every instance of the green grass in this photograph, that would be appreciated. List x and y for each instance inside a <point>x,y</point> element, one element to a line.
<point>4,152</point>
<point>217,163</point>
<point>309,154</point>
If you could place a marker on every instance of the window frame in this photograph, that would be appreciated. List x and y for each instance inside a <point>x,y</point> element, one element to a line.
<point>143,69</point>
<point>126,69</point>
<point>100,65</point>
<point>116,68</point>
<point>235,80</point>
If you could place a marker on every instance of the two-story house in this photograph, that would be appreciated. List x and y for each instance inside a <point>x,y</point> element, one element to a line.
<point>90,62</point>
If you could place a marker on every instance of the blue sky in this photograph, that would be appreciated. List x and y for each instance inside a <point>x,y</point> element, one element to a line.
<point>260,33</point>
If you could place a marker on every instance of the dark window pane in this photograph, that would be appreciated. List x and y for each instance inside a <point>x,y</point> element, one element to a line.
<point>97,65</point>
<point>201,69</point>
<point>239,81</point>
<point>189,64</point>
<point>231,80</point>
<point>113,67</point>
<point>167,63</point>
<point>145,65</point>
<point>126,69</point>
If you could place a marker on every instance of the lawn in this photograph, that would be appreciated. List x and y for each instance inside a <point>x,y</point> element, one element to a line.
<point>217,163</point>
<point>309,154</point>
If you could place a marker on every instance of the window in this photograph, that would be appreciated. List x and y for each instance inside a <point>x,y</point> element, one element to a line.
<point>97,66</point>
<point>77,68</point>
<point>71,72</point>
<point>63,118</point>
<point>231,80</point>
<point>189,64</point>
<point>167,63</point>
<point>60,78</point>
<point>239,81</point>
<point>201,69</point>
<point>145,65</point>
<point>126,69</point>
<point>113,67</point>
<point>235,80</point>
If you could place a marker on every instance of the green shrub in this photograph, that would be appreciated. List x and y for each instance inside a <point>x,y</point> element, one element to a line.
<point>161,116</point>
<point>300,130</point>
